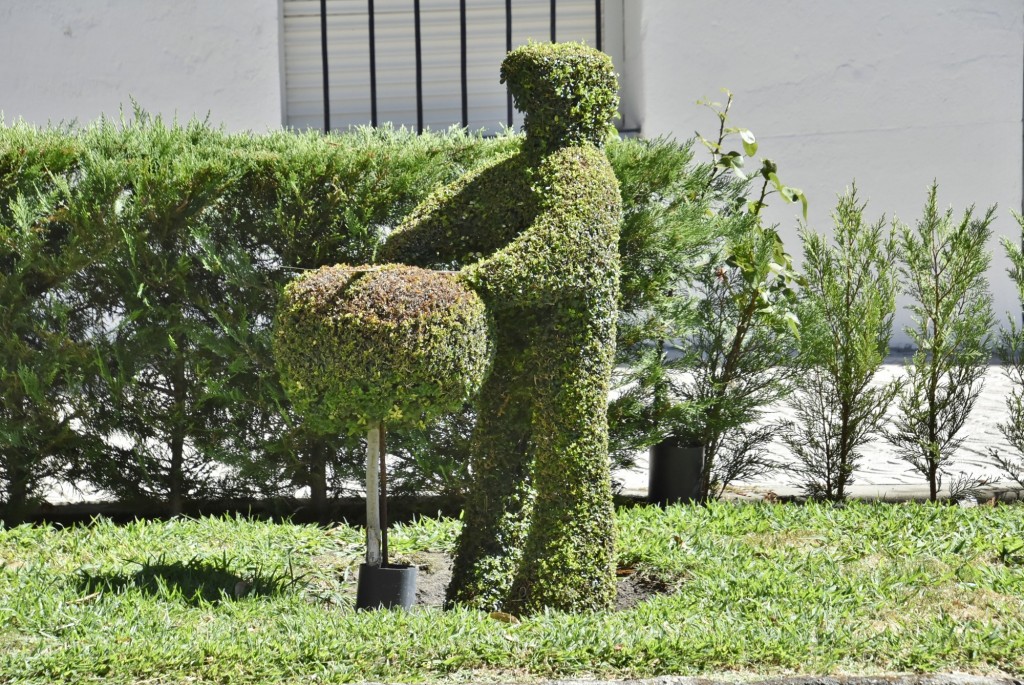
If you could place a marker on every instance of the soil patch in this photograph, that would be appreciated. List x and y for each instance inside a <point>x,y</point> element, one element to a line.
<point>634,589</point>
<point>435,571</point>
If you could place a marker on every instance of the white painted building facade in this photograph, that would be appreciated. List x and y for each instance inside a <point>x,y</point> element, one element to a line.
<point>892,95</point>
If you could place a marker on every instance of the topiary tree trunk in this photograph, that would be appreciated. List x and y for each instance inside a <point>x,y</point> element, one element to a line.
<point>374,555</point>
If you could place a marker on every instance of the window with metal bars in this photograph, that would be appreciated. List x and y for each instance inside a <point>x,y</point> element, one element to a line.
<point>416,63</point>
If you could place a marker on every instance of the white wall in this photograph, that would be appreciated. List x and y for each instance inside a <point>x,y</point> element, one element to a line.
<point>75,59</point>
<point>892,94</point>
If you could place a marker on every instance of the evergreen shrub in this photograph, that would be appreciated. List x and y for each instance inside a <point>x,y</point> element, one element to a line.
<point>44,358</point>
<point>141,264</point>
<point>944,262</point>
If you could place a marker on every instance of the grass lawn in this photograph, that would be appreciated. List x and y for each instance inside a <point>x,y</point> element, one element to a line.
<point>749,590</point>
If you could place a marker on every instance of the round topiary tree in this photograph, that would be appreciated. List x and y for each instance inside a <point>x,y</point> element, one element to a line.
<point>536,234</point>
<point>359,348</point>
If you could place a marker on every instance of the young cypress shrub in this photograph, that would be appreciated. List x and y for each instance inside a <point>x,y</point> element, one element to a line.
<point>169,305</point>
<point>1010,348</point>
<point>944,263</point>
<point>849,300</point>
<point>664,238</point>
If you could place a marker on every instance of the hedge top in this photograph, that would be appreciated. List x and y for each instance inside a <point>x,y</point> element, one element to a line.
<point>567,92</point>
<point>394,344</point>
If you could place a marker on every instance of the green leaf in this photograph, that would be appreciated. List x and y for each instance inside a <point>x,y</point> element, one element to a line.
<point>733,160</point>
<point>749,143</point>
<point>791,195</point>
<point>709,144</point>
<point>793,321</point>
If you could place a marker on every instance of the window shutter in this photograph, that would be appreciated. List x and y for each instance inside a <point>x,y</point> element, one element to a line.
<point>348,48</point>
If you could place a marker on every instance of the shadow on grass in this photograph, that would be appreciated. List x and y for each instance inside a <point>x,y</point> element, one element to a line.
<point>194,582</point>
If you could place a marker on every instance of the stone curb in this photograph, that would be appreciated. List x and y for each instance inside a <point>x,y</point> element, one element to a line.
<point>937,679</point>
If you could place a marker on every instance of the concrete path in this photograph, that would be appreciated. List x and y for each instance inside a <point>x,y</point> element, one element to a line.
<point>939,679</point>
<point>882,474</point>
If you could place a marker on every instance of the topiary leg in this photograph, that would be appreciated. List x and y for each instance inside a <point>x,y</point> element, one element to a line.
<point>497,511</point>
<point>568,561</point>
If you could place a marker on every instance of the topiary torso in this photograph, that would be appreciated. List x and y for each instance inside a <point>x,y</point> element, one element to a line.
<point>536,237</point>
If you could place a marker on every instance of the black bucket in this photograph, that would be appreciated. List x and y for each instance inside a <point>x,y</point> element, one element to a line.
<point>674,472</point>
<point>386,587</point>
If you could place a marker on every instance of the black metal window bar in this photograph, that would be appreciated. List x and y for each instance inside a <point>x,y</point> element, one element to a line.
<point>419,58</point>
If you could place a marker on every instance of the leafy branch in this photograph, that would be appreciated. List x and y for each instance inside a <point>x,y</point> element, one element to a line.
<point>735,160</point>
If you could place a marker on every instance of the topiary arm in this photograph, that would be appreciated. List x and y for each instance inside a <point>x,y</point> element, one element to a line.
<point>426,237</point>
<point>446,228</point>
<point>571,247</point>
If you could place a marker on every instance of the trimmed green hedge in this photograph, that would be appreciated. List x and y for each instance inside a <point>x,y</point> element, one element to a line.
<point>141,265</point>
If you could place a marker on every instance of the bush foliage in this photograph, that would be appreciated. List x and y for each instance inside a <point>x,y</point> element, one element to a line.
<point>141,264</point>
<point>944,262</point>
<point>847,315</point>
<point>396,345</point>
<point>1010,349</point>
<point>44,319</point>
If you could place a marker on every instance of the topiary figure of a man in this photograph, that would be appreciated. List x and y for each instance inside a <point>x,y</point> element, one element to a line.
<point>535,235</point>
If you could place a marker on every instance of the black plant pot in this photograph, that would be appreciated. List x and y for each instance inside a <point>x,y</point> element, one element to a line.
<point>674,471</point>
<point>386,587</point>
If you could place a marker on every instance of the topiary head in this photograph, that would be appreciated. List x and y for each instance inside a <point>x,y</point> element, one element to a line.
<point>567,92</point>
<point>394,344</point>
